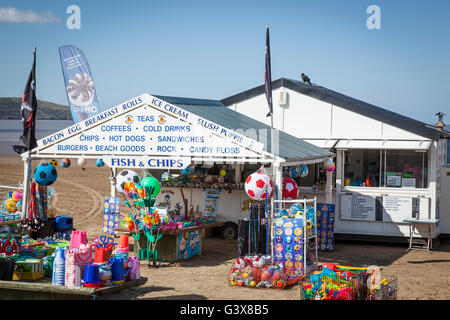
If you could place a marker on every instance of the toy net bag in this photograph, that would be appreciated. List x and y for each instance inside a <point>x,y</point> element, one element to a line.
<point>333,287</point>
<point>386,289</point>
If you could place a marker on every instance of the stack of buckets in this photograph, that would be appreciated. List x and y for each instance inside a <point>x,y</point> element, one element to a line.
<point>106,270</point>
<point>99,273</point>
<point>59,270</point>
<point>119,262</point>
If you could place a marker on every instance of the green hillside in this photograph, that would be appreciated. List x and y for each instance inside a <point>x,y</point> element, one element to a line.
<point>10,109</point>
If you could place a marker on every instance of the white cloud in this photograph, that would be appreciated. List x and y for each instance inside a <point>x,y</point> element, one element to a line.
<point>11,14</point>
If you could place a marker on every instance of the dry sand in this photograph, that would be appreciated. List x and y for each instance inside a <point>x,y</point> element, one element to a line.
<point>79,193</point>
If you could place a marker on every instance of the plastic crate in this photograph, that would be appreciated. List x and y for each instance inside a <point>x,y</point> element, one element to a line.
<point>9,217</point>
<point>28,275</point>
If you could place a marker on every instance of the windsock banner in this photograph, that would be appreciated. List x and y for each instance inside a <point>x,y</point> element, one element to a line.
<point>79,83</point>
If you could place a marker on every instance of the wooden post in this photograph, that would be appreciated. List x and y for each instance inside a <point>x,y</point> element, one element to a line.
<point>185,203</point>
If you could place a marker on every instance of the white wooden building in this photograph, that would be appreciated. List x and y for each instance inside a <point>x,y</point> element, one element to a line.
<point>388,167</point>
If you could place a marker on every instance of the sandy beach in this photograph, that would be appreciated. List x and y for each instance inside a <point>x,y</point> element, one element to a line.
<point>79,193</point>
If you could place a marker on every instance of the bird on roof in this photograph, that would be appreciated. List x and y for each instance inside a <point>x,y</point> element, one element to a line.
<point>306,79</point>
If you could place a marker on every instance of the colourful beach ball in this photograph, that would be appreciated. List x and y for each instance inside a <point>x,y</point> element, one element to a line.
<point>257,184</point>
<point>45,174</point>
<point>9,194</point>
<point>11,205</point>
<point>329,165</point>
<point>19,204</point>
<point>99,163</point>
<point>17,195</point>
<point>54,163</point>
<point>65,163</point>
<point>293,172</point>
<point>303,172</point>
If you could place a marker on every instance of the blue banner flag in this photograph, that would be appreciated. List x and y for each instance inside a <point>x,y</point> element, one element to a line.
<point>79,84</point>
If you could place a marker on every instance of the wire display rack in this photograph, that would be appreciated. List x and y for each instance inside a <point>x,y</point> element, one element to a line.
<point>278,208</point>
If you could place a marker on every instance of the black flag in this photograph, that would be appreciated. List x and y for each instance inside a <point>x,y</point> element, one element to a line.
<point>28,109</point>
<point>268,75</point>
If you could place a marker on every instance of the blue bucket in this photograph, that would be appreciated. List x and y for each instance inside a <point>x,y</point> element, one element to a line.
<point>91,275</point>
<point>117,270</point>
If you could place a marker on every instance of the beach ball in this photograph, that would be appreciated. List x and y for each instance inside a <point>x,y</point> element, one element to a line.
<point>293,172</point>
<point>19,204</point>
<point>17,195</point>
<point>54,163</point>
<point>296,208</point>
<point>81,161</point>
<point>45,174</point>
<point>329,165</point>
<point>303,171</point>
<point>9,194</point>
<point>126,176</point>
<point>65,163</point>
<point>10,205</point>
<point>151,184</point>
<point>99,163</point>
<point>186,170</point>
<point>256,185</point>
<point>290,189</point>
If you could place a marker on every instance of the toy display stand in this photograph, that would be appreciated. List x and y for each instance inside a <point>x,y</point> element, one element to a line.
<point>169,246</point>
<point>309,232</point>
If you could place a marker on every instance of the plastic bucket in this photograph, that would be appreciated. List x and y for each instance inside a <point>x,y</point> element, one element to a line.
<point>91,277</point>
<point>117,270</point>
<point>123,242</point>
<point>101,255</point>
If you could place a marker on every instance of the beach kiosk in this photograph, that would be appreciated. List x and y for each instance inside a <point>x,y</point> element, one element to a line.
<point>151,133</point>
<point>388,167</point>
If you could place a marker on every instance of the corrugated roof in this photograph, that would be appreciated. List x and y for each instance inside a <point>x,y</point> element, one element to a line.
<point>291,148</point>
<point>346,102</point>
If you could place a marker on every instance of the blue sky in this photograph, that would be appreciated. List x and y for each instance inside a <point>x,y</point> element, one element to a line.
<point>214,49</point>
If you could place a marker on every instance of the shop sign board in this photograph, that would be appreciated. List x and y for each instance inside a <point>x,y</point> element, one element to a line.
<point>147,125</point>
<point>146,131</point>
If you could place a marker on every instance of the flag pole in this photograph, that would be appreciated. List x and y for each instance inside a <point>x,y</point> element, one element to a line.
<point>27,167</point>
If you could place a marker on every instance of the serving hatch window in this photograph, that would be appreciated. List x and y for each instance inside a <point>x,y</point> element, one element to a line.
<point>386,168</point>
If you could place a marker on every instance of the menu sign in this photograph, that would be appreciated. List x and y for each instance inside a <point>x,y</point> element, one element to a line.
<point>358,207</point>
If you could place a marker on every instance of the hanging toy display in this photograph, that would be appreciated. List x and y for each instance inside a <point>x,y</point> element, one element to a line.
<point>99,163</point>
<point>65,163</point>
<point>45,174</point>
<point>256,185</point>
<point>126,176</point>
<point>329,165</point>
<point>303,171</point>
<point>290,189</point>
